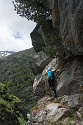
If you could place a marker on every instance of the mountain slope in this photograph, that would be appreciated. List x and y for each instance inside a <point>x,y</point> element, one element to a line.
<point>3,54</point>
<point>15,72</point>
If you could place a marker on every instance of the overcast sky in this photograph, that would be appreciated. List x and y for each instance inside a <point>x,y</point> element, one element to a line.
<point>14,30</point>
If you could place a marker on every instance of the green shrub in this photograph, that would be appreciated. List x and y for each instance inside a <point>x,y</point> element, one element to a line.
<point>10,107</point>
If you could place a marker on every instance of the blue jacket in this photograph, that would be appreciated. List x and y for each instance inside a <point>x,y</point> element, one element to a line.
<point>50,74</point>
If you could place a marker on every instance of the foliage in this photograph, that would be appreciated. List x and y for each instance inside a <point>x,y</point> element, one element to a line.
<point>16,74</point>
<point>9,105</point>
<point>36,10</point>
<point>21,120</point>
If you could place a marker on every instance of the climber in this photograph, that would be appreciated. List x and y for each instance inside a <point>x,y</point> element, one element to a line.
<point>51,80</point>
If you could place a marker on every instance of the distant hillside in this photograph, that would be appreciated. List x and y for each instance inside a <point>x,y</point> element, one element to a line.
<point>5,53</point>
<point>15,72</point>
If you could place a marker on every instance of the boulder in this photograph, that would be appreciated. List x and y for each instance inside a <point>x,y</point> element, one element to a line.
<point>38,63</point>
<point>71,25</point>
<point>74,101</point>
<point>55,112</point>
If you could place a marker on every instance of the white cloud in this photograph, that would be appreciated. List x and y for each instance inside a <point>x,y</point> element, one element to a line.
<point>11,26</point>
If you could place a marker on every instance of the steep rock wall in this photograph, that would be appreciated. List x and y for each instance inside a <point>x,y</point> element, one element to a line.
<point>43,37</point>
<point>68,19</point>
<point>69,14</point>
<point>53,5</point>
<point>71,25</point>
<point>71,78</point>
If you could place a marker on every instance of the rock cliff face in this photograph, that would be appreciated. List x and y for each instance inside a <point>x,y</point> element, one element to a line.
<point>37,40</point>
<point>53,5</point>
<point>67,19</point>
<point>43,36</point>
<point>71,26</point>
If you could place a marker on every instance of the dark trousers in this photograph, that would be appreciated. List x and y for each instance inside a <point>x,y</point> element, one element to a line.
<point>52,85</point>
